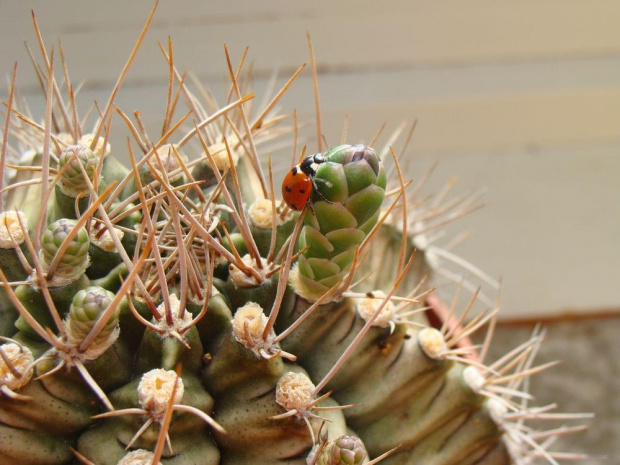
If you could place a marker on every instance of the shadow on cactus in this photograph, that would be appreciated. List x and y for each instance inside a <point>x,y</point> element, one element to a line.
<point>177,311</point>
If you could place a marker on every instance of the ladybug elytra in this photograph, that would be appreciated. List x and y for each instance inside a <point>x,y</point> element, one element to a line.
<point>299,182</point>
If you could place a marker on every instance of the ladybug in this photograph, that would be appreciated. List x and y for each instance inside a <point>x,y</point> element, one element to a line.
<point>299,183</point>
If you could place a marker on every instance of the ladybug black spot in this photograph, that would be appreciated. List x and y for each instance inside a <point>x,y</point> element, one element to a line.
<point>302,191</point>
<point>288,189</point>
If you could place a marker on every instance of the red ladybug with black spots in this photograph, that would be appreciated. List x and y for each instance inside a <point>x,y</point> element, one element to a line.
<point>299,183</point>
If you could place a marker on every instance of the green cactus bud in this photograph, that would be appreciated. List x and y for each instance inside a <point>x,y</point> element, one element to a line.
<point>32,298</point>
<point>72,182</point>
<point>345,450</point>
<point>75,258</point>
<point>352,187</point>
<point>87,306</point>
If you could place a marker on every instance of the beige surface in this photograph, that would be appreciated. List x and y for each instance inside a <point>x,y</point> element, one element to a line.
<point>521,97</point>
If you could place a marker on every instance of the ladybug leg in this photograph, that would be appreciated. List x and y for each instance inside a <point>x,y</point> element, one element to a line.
<point>325,182</point>
<point>318,192</point>
<point>311,207</point>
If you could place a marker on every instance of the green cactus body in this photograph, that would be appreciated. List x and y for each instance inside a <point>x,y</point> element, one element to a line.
<point>178,313</point>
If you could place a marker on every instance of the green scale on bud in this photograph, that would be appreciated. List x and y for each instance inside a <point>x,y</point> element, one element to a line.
<point>352,186</point>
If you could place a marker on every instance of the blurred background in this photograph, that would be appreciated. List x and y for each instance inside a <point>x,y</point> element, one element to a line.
<point>519,98</point>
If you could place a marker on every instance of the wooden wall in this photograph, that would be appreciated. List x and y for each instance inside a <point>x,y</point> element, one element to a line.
<point>520,97</point>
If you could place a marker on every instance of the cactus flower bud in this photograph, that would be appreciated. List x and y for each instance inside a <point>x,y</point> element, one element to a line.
<point>72,182</point>
<point>87,307</point>
<point>75,258</point>
<point>345,450</point>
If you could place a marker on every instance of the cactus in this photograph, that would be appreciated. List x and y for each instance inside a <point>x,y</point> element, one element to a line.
<point>177,312</point>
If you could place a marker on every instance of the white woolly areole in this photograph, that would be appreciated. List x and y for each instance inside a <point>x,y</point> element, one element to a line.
<point>178,323</point>
<point>169,160</point>
<point>368,306</point>
<point>104,241</point>
<point>473,378</point>
<point>138,457</point>
<point>11,232</point>
<point>261,214</point>
<point>200,301</point>
<point>295,391</point>
<point>248,325</point>
<point>497,410</point>
<point>432,343</point>
<point>240,279</point>
<point>21,358</point>
<point>220,156</point>
<point>87,139</point>
<point>155,390</point>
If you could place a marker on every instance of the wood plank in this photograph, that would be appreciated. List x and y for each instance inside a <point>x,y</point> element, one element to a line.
<point>392,34</point>
<point>485,124</point>
<point>458,113</point>
<point>551,229</point>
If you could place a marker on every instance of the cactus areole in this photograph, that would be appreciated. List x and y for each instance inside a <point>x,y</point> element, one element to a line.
<point>173,310</point>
